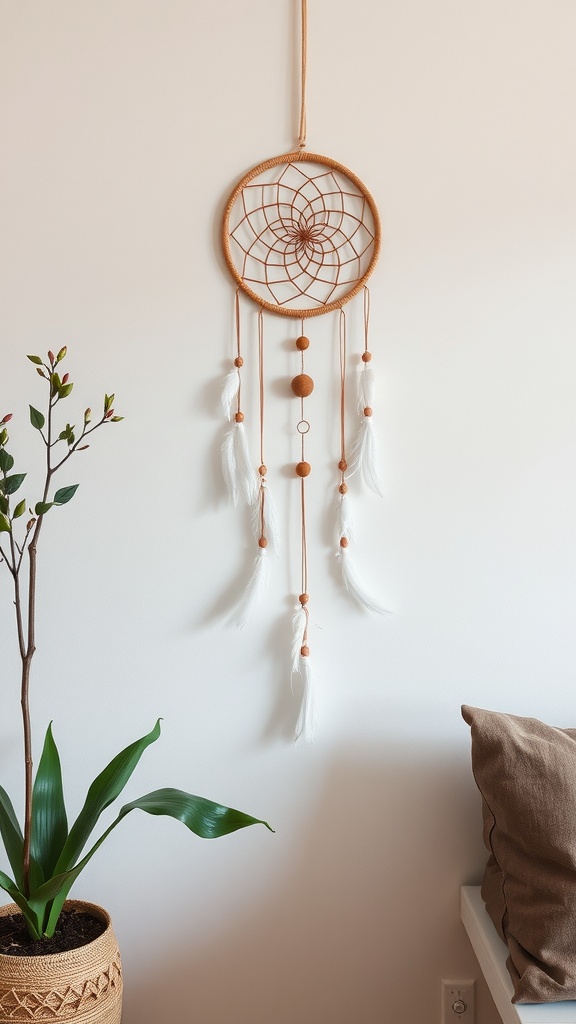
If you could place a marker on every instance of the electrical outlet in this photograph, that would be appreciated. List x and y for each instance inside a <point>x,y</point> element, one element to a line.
<point>457,1002</point>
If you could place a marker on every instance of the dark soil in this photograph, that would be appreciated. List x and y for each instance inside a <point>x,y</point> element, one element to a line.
<point>74,928</point>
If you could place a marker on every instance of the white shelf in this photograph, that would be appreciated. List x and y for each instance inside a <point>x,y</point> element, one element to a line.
<point>492,954</point>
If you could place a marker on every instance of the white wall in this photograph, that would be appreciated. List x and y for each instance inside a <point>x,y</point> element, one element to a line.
<point>124,125</point>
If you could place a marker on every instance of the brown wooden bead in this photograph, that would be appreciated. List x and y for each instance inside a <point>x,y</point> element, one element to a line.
<point>302,343</point>
<point>262,542</point>
<point>238,361</point>
<point>343,542</point>
<point>366,357</point>
<point>343,488</point>
<point>304,598</point>
<point>342,465</point>
<point>239,417</point>
<point>304,651</point>
<point>303,468</point>
<point>302,385</point>
<point>367,411</point>
<point>262,470</point>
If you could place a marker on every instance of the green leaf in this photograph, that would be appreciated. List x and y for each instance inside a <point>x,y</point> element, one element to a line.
<point>42,506</point>
<point>105,788</point>
<point>49,823</point>
<point>35,359</point>
<point>3,436</point>
<point>30,915</point>
<point>65,390</point>
<point>64,494</point>
<point>6,461</point>
<point>203,817</point>
<point>4,524</point>
<point>36,418</point>
<point>20,509</point>
<point>11,836</point>
<point>10,484</point>
<point>4,503</point>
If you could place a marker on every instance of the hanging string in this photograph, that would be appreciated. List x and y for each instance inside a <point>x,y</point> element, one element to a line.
<point>302,386</point>
<point>303,62</point>
<point>237,467</point>
<point>238,362</point>
<point>367,355</point>
<point>350,576</point>
<point>262,469</point>
<point>264,519</point>
<point>342,465</point>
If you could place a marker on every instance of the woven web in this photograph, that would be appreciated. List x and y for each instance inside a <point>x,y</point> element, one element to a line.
<point>301,235</point>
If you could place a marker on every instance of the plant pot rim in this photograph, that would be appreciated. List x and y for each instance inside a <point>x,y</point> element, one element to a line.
<point>81,905</point>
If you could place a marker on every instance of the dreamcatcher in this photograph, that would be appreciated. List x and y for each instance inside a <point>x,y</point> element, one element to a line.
<point>301,236</point>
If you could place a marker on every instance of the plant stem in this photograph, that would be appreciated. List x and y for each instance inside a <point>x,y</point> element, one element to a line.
<point>27,655</point>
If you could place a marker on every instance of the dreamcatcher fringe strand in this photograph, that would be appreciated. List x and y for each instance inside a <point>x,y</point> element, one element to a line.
<point>354,586</point>
<point>265,517</point>
<point>307,719</point>
<point>230,391</point>
<point>302,666</point>
<point>256,586</point>
<point>364,457</point>
<point>236,465</point>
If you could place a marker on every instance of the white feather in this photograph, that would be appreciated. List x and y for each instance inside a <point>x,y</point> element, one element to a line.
<point>345,521</point>
<point>229,464</point>
<point>354,587</point>
<point>270,527</point>
<point>298,627</point>
<point>271,519</point>
<point>230,391</point>
<point>365,386</point>
<point>247,479</point>
<point>308,717</point>
<point>238,471</point>
<point>256,586</point>
<point>364,456</point>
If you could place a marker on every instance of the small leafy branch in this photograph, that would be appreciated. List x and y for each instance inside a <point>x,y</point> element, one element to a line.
<point>47,857</point>
<point>59,449</point>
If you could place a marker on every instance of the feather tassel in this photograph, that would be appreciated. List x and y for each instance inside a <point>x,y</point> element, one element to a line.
<point>230,390</point>
<point>365,386</point>
<point>298,627</point>
<point>307,719</point>
<point>238,471</point>
<point>266,523</point>
<point>364,456</point>
<point>345,522</point>
<point>302,666</point>
<point>256,586</point>
<point>353,585</point>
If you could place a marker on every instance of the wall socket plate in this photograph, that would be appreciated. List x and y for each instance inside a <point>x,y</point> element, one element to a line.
<point>458,1002</point>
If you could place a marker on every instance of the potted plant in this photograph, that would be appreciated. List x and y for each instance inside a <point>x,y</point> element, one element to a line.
<point>59,958</point>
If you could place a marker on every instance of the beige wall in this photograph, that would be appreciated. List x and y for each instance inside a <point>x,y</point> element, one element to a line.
<point>124,125</point>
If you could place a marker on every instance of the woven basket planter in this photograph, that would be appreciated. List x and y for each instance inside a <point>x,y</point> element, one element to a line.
<point>83,985</point>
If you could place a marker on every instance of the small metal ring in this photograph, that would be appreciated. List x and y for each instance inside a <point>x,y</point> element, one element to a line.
<point>303,427</point>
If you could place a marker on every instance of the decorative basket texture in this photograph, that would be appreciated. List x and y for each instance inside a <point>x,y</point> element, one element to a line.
<point>83,985</point>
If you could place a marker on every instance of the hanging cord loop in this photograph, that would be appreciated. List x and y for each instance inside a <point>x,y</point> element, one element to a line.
<point>303,62</point>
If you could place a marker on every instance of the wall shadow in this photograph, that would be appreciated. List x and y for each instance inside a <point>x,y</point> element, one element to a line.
<point>362,923</point>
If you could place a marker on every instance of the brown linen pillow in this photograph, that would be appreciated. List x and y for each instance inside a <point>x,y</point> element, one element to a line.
<point>526,773</point>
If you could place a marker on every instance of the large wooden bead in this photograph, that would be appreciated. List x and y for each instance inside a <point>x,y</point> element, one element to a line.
<point>302,343</point>
<point>303,468</point>
<point>302,385</point>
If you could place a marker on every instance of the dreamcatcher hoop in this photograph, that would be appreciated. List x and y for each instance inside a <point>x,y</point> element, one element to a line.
<point>312,239</point>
